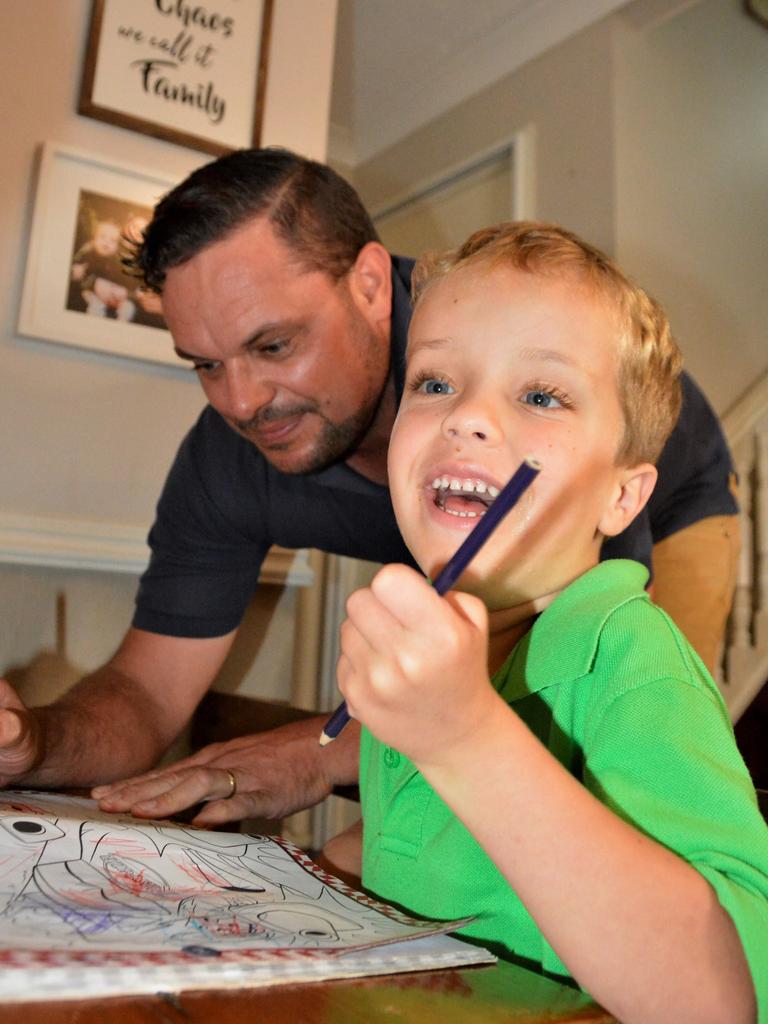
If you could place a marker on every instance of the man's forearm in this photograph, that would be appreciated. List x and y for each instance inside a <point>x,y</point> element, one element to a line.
<point>105,728</point>
<point>341,758</point>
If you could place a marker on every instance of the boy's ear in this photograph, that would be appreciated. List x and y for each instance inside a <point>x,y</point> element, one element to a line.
<point>633,488</point>
<point>370,282</point>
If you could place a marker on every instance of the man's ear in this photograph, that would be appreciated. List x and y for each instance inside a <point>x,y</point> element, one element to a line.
<point>633,488</point>
<point>370,282</point>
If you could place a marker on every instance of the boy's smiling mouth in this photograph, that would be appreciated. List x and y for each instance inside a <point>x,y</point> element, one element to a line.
<point>464,497</point>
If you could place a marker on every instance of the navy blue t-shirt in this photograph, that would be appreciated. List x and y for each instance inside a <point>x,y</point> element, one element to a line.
<point>223,506</point>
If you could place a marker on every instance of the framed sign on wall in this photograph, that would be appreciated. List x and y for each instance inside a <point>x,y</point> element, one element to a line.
<point>188,73</point>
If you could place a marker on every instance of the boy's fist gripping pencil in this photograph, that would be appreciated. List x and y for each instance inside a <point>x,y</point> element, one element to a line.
<point>508,497</point>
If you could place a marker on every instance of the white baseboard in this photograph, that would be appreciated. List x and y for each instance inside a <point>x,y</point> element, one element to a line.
<point>106,546</point>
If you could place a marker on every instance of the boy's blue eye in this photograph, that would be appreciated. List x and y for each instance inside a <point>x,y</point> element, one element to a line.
<point>542,400</point>
<point>436,387</point>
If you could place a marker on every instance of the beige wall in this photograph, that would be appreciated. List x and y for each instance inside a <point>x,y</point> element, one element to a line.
<point>88,436</point>
<point>651,141</point>
<point>446,215</point>
<point>84,435</point>
<point>565,95</point>
<point>691,129</point>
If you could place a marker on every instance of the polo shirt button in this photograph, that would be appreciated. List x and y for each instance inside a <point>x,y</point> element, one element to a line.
<point>391,758</point>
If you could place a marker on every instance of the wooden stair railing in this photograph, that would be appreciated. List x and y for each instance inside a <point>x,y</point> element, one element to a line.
<point>745,659</point>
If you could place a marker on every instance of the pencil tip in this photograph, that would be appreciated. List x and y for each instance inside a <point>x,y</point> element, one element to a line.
<point>325,739</point>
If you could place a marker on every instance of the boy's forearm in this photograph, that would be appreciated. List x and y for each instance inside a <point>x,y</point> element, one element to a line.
<point>638,927</point>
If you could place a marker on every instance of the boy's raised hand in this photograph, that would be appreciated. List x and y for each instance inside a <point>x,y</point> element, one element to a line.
<point>413,665</point>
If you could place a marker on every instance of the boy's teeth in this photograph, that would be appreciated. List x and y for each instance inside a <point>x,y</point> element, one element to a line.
<point>475,492</point>
<point>444,483</point>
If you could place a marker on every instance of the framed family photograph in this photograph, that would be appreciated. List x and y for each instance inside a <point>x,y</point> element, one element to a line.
<point>87,213</point>
<point>189,73</point>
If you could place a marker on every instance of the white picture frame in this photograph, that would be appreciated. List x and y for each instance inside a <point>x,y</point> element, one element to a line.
<point>75,187</point>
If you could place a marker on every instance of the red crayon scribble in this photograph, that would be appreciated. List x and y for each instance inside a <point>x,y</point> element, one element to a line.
<point>131,881</point>
<point>24,809</point>
<point>14,864</point>
<point>197,874</point>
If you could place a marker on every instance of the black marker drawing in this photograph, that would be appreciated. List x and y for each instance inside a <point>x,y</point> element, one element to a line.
<point>72,877</point>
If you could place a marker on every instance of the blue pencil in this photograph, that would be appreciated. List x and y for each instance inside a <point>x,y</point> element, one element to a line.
<point>508,497</point>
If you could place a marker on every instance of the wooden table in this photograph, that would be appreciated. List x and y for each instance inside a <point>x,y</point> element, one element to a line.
<point>501,994</point>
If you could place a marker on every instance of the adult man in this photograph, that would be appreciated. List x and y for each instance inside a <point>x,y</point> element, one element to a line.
<point>277,291</point>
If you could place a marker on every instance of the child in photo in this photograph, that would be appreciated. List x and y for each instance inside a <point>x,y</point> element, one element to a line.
<point>542,748</point>
<point>97,269</point>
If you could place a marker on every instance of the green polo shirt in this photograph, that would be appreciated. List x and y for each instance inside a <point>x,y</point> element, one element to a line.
<point>610,686</point>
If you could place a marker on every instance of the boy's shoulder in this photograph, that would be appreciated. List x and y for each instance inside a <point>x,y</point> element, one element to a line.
<point>605,677</point>
<point>605,637</point>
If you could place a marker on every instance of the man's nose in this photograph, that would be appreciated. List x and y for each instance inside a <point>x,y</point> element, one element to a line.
<point>246,392</point>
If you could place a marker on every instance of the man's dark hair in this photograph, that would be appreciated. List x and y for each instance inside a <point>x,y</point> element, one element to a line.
<point>311,208</point>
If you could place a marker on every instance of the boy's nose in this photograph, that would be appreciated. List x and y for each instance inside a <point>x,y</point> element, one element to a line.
<point>472,420</point>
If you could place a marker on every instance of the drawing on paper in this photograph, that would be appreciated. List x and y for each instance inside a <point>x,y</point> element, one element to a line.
<point>72,877</point>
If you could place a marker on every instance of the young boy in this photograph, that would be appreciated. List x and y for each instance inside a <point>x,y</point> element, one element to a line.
<point>542,748</point>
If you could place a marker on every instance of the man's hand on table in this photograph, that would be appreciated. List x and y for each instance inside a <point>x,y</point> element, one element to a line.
<point>276,773</point>
<point>20,736</point>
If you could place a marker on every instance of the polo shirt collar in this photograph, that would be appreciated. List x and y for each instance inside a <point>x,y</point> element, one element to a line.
<point>562,643</point>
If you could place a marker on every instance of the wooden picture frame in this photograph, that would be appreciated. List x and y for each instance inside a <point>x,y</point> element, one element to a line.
<point>191,74</point>
<point>759,10</point>
<point>75,290</point>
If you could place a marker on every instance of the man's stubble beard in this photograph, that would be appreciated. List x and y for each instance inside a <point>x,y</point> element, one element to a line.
<point>335,442</point>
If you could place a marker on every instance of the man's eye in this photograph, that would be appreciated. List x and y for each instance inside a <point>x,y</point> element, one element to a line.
<point>273,348</point>
<point>208,367</point>
<point>542,400</point>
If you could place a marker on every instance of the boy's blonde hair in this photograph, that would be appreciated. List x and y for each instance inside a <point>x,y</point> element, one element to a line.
<point>649,359</point>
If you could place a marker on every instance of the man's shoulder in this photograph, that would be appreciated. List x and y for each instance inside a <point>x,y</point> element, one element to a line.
<point>232,471</point>
<point>211,431</point>
<point>213,454</point>
<point>698,437</point>
<point>695,468</point>
<point>211,428</point>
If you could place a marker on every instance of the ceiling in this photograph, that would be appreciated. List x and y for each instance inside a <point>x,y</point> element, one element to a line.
<point>401,63</point>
